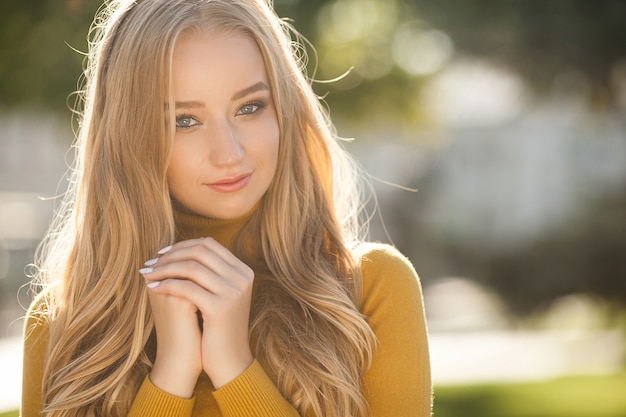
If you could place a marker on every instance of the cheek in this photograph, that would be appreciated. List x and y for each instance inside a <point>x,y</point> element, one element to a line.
<point>274,140</point>
<point>271,150</point>
<point>172,168</point>
<point>178,166</point>
<point>262,143</point>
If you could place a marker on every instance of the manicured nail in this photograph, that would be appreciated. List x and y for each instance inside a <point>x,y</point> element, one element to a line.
<point>165,250</point>
<point>153,284</point>
<point>151,262</point>
<point>144,271</point>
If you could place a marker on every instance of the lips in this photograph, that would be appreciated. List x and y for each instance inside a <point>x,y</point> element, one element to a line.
<point>231,184</point>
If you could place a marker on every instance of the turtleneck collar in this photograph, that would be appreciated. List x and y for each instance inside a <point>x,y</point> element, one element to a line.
<point>192,226</point>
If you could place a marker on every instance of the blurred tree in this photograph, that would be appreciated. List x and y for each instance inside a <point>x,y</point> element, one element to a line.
<point>394,46</point>
<point>541,39</point>
<point>39,66</point>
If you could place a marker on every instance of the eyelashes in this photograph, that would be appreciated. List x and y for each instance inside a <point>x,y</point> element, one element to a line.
<point>251,108</point>
<point>185,121</point>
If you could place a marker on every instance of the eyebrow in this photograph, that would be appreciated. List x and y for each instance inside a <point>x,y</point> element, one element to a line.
<point>187,105</point>
<point>260,86</point>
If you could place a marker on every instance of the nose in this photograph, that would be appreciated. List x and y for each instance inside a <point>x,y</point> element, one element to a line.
<point>224,145</point>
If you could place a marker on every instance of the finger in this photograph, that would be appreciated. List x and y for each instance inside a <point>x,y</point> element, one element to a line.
<point>200,253</point>
<point>183,289</point>
<point>162,253</point>
<point>226,255</point>
<point>208,253</point>
<point>186,270</point>
<point>199,244</point>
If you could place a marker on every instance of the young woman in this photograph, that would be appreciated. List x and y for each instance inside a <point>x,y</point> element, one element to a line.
<point>206,260</point>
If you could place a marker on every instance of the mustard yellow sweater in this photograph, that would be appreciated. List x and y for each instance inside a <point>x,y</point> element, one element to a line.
<point>398,384</point>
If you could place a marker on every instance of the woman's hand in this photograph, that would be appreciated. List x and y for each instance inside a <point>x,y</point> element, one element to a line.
<point>178,361</point>
<point>203,273</point>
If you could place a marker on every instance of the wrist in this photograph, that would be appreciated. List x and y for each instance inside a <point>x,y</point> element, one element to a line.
<point>227,372</point>
<point>174,379</point>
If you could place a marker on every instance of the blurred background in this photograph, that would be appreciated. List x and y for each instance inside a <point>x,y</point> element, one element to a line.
<point>506,116</point>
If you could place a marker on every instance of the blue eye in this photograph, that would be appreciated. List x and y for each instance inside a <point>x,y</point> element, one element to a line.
<point>185,121</point>
<point>251,108</point>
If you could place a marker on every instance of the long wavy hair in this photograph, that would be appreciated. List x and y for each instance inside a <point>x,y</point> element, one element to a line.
<point>305,329</point>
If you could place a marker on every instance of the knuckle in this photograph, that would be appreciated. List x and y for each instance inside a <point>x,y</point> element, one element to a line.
<point>197,251</point>
<point>245,290</point>
<point>249,280</point>
<point>190,267</point>
<point>208,241</point>
<point>249,272</point>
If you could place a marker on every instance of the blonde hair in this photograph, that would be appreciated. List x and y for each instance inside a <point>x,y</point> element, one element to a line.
<point>310,336</point>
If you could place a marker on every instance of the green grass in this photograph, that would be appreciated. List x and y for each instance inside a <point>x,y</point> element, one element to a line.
<point>588,396</point>
<point>585,396</point>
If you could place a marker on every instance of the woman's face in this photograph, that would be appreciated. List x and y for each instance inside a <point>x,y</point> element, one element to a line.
<point>226,146</point>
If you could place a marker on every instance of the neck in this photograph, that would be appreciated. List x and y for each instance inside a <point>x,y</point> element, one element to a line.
<point>192,226</point>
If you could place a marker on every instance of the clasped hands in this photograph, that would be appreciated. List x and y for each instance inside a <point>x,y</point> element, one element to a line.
<point>192,277</point>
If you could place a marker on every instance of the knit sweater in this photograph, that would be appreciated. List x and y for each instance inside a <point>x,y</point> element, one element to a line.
<point>397,384</point>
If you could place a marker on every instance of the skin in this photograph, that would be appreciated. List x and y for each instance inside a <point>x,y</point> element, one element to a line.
<point>224,159</point>
<point>226,125</point>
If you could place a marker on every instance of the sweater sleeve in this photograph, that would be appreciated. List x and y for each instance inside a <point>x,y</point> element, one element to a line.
<point>150,401</point>
<point>253,394</point>
<point>398,382</point>
<point>153,402</point>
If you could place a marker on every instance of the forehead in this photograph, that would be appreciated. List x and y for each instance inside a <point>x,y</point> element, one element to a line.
<point>216,58</point>
<point>212,38</point>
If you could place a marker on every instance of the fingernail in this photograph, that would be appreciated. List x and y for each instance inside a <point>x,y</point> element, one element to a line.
<point>153,284</point>
<point>144,271</point>
<point>151,262</point>
<point>165,250</point>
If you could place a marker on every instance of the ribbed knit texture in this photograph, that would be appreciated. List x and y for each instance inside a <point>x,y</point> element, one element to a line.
<point>150,397</point>
<point>241,396</point>
<point>398,383</point>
